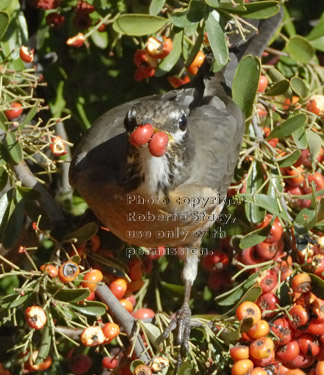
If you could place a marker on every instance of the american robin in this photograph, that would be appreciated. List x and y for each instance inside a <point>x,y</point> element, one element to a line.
<point>149,200</point>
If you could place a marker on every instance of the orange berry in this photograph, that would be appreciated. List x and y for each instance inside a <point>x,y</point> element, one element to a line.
<point>197,62</point>
<point>261,348</point>
<point>127,305</point>
<point>91,279</point>
<point>301,283</point>
<point>68,271</point>
<point>110,330</point>
<point>259,329</point>
<point>239,352</point>
<point>118,287</point>
<point>242,367</point>
<point>263,83</point>
<point>248,309</point>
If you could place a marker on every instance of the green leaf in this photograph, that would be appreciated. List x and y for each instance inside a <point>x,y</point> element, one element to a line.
<point>316,36</point>
<point>318,43</point>
<point>13,300</point>
<point>306,217</point>
<point>153,333</point>
<point>320,210</point>
<point>134,364</point>
<point>82,234</point>
<point>4,4</point>
<point>289,159</point>
<point>318,30</point>
<point>254,213</point>
<point>246,324</point>
<point>275,75</point>
<point>315,143</point>
<point>289,126</point>
<point>245,84</point>
<point>44,346</point>
<point>57,104</point>
<point>259,9</point>
<point>156,7</point>
<point>300,49</point>
<point>195,49</point>
<point>186,369</point>
<point>15,221</point>
<point>229,5</point>
<point>251,295</point>
<point>92,308</point>
<point>195,12</point>
<point>4,22</point>
<point>278,88</point>
<point>300,138</point>
<point>268,203</point>
<point>274,186</point>
<point>179,19</point>
<point>254,237</point>
<point>70,295</point>
<point>287,22</point>
<point>168,63</point>
<point>30,115</point>
<point>232,298</point>
<point>179,289</point>
<point>100,39</point>
<point>299,87</point>
<point>317,285</point>
<point>216,39</point>
<point>212,3</point>
<point>8,284</point>
<point>138,24</point>
<point>13,148</point>
<point>4,202</point>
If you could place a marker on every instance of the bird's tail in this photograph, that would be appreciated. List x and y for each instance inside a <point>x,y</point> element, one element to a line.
<point>254,46</point>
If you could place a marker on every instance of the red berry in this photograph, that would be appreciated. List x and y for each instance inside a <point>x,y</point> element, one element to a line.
<point>158,144</point>
<point>269,281</point>
<point>14,112</point>
<point>143,313</point>
<point>26,55</point>
<point>50,269</point>
<point>80,364</point>
<point>109,362</point>
<point>288,352</point>
<point>141,135</point>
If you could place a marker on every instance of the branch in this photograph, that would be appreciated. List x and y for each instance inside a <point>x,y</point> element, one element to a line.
<point>125,319</point>
<point>46,200</point>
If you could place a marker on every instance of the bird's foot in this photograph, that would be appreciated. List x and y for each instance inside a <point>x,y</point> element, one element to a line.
<point>181,322</point>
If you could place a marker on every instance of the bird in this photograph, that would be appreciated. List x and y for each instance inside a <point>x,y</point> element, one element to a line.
<point>146,165</point>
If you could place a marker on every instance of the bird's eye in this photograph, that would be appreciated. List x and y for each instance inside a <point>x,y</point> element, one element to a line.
<point>183,122</point>
<point>130,120</point>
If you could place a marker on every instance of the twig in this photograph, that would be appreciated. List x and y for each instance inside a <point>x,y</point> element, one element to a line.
<point>27,179</point>
<point>124,318</point>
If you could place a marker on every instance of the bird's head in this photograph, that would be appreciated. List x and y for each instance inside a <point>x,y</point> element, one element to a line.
<point>156,124</point>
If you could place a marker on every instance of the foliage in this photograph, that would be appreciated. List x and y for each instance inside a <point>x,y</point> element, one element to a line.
<point>85,64</point>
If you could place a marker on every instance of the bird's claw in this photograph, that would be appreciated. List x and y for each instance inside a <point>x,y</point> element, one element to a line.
<point>181,322</point>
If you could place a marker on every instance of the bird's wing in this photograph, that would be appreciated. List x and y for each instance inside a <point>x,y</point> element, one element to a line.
<point>217,129</point>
